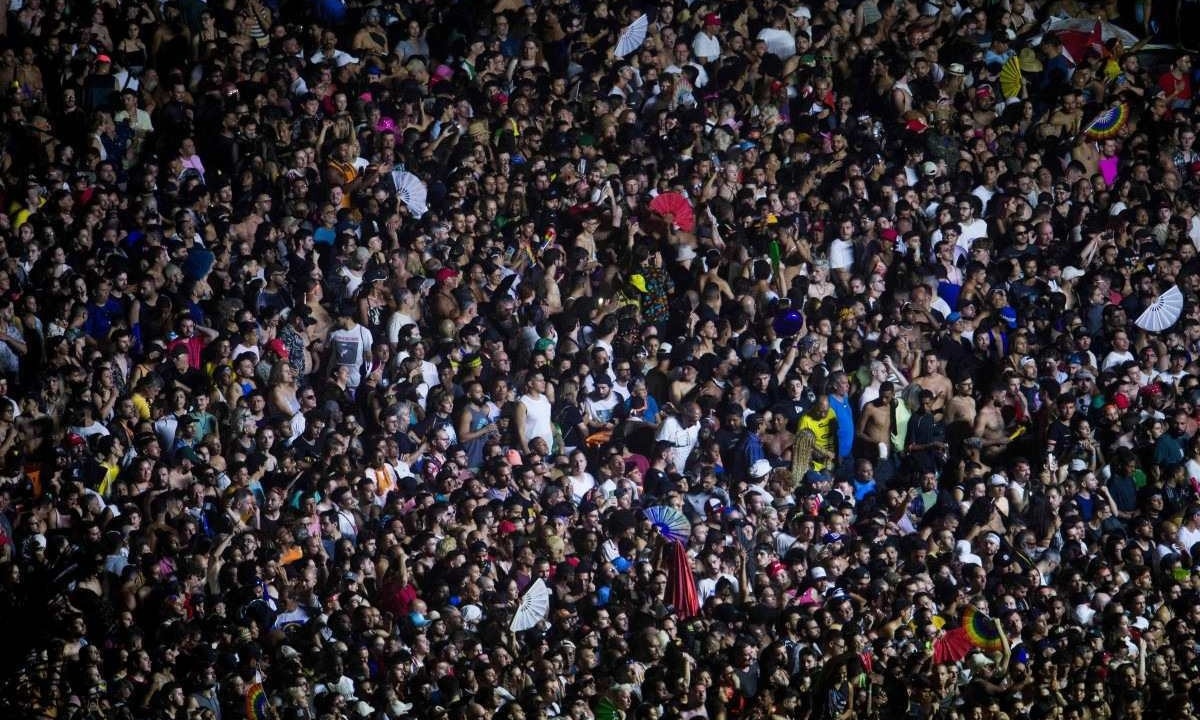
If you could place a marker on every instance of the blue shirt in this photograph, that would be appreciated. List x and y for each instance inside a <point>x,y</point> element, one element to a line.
<point>650,414</point>
<point>845,418</point>
<point>754,449</point>
<point>100,318</point>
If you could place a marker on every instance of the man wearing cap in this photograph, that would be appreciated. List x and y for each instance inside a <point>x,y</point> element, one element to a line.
<point>443,303</point>
<point>179,372</point>
<point>100,85</point>
<point>274,351</point>
<point>706,46</point>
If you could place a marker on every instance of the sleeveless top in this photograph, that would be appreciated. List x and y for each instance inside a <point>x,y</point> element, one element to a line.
<point>479,418</point>
<point>537,419</point>
<point>133,60</point>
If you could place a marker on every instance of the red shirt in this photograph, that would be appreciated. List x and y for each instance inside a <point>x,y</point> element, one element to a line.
<point>1180,87</point>
<point>195,346</point>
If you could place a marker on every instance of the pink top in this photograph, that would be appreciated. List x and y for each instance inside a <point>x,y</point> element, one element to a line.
<point>1108,169</point>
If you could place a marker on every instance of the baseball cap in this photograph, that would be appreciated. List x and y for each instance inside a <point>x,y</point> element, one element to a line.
<point>814,476</point>
<point>445,274</point>
<point>712,20</point>
<point>276,346</point>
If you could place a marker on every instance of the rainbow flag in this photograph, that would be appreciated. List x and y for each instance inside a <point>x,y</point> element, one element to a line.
<point>258,707</point>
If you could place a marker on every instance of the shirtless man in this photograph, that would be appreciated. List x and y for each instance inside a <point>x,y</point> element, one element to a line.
<point>777,440</point>
<point>874,431</point>
<point>932,379</point>
<point>683,385</point>
<point>959,416</point>
<point>989,424</point>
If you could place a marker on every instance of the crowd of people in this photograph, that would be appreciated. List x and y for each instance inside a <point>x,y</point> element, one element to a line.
<point>327,331</point>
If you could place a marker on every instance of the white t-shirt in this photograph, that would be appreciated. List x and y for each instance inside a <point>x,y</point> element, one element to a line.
<point>350,349</point>
<point>683,439</point>
<point>1115,358</point>
<point>971,232</point>
<point>779,42</point>
<point>397,322</point>
<point>841,254</point>
<point>602,409</point>
<point>581,485</point>
<point>705,47</point>
<point>1188,538</point>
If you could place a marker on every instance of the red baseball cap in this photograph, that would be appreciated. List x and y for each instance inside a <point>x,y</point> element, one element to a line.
<point>276,346</point>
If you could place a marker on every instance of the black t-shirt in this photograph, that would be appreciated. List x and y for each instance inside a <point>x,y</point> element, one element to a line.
<point>568,416</point>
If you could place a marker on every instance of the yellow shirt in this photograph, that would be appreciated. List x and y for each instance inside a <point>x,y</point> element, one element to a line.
<point>824,431</point>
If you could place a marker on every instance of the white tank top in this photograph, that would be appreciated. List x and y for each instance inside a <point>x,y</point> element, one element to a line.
<point>537,418</point>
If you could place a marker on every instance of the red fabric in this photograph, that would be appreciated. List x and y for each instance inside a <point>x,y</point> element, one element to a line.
<point>677,206</point>
<point>1077,44</point>
<point>952,646</point>
<point>396,598</point>
<point>1181,87</point>
<point>681,584</point>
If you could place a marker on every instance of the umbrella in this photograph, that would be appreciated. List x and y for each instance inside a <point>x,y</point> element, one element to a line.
<point>1011,79</point>
<point>681,584</point>
<point>981,630</point>
<point>1108,123</point>
<point>677,206</point>
<point>632,36</point>
<point>669,522</point>
<point>1163,312</point>
<point>411,191</point>
<point>534,607</point>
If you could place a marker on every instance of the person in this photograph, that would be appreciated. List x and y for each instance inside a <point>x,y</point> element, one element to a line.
<point>681,431</point>
<point>350,346</point>
<point>533,413</point>
<point>874,432</point>
<point>339,343</point>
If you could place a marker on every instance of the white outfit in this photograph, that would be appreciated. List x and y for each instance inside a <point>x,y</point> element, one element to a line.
<point>779,42</point>
<point>683,439</point>
<point>537,419</point>
<point>841,254</point>
<point>706,47</point>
